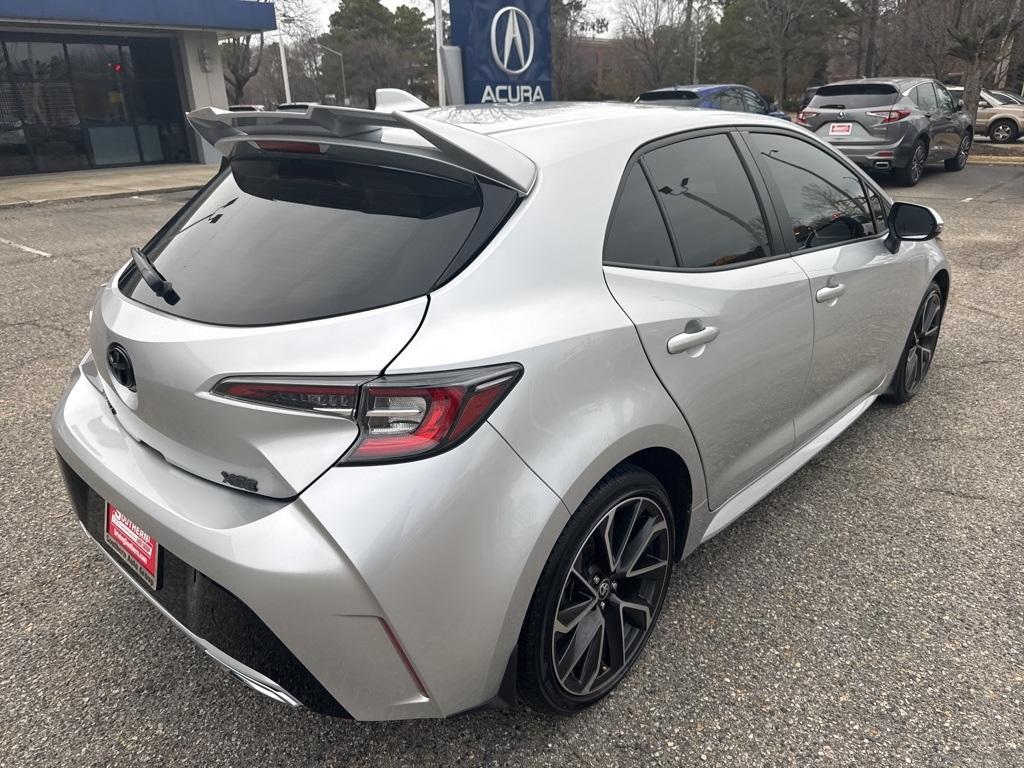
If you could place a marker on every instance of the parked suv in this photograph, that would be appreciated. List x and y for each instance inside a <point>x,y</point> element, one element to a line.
<point>1000,116</point>
<point>896,124</point>
<point>731,97</point>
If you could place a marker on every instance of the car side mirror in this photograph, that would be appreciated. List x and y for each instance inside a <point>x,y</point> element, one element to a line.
<point>915,223</point>
<point>959,105</point>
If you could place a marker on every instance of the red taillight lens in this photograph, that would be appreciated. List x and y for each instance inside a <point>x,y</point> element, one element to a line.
<point>334,398</point>
<point>803,117</point>
<point>405,416</point>
<point>399,417</point>
<point>891,115</point>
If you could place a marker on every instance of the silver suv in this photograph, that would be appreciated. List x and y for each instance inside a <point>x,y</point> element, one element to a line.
<point>408,412</point>
<point>896,124</point>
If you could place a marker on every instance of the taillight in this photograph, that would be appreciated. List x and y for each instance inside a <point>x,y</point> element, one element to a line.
<point>399,417</point>
<point>891,115</point>
<point>405,416</point>
<point>803,117</point>
<point>329,397</point>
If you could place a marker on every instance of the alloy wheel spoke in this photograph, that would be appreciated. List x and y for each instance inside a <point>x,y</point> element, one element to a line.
<point>910,376</point>
<point>569,616</point>
<point>638,546</point>
<point>615,634</point>
<point>583,637</point>
<point>592,662</point>
<point>636,607</point>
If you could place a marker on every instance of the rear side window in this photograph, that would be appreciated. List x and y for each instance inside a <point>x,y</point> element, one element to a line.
<point>753,103</point>
<point>825,200</point>
<point>636,233</point>
<point>279,239</point>
<point>709,202</point>
<point>854,96</point>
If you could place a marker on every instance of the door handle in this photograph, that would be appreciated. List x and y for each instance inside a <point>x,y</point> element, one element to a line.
<point>690,339</point>
<point>829,293</point>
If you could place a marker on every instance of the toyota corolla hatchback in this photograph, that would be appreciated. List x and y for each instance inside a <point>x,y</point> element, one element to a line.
<point>406,413</point>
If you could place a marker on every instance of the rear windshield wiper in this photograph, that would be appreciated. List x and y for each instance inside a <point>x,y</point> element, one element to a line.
<point>157,282</point>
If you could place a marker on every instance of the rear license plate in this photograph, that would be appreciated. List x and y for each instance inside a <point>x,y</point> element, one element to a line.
<point>136,547</point>
<point>840,129</point>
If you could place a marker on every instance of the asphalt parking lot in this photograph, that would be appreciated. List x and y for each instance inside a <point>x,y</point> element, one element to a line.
<point>868,612</point>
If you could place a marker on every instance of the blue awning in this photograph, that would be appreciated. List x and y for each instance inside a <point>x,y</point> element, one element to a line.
<point>221,15</point>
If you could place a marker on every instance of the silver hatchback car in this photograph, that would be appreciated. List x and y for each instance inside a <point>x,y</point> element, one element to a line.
<point>406,413</point>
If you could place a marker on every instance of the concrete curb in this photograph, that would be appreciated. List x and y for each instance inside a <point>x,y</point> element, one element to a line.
<point>97,196</point>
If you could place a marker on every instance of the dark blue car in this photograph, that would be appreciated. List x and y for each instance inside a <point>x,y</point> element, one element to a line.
<point>733,97</point>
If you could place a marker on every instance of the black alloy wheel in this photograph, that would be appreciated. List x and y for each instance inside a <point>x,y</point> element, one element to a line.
<point>919,351</point>
<point>600,594</point>
<point>910,174</point>
<point>959,160</point>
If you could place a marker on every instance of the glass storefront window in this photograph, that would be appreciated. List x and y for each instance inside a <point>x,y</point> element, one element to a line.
<point>82,102</point>
<point>96,60</point>
<point>36,60</point>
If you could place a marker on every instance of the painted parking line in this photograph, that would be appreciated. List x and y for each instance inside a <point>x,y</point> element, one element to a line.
<point>24,248</point>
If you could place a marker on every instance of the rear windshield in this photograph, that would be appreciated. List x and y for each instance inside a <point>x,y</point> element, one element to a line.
<point>279,239</point>
<point>854,96</point>
<point>677,98</point>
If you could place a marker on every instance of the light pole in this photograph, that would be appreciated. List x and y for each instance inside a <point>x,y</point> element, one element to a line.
<point>438,42</point>
<point>340,55</point>
<point>284,61</point>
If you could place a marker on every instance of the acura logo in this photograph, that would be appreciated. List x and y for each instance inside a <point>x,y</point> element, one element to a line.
<point>120,366</point>
<point>511,24</point>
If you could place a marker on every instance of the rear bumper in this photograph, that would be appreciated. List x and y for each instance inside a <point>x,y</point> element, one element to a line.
<point>877,156</point>
<point>392,592</point>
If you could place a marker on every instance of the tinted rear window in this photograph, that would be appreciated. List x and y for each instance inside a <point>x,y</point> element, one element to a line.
<point>284,239</point>
<point>854,96</point>
<point>678,98</point>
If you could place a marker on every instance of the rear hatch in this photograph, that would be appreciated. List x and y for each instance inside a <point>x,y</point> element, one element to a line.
<point>853,113</point>
<point>296,262</point>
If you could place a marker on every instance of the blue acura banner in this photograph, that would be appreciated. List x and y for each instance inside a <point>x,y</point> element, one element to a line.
<point>506,49</point>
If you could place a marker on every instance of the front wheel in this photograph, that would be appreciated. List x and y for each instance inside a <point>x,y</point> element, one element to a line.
<point>959,160</point>
<point>599,595</point>
<point>910,174</point>
<point>1003,132</point>
<point>919,350</point>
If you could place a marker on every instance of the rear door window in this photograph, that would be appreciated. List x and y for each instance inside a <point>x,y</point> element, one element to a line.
<point>945,100</point>
<point>924,97</point>
<point>278,239</point>
<point>709,202</point>
<point>854,96</point>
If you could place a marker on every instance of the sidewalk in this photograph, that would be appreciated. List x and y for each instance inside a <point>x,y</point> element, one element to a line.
<point>45,188</point>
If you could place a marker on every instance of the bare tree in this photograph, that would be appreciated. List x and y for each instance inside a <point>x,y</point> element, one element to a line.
<point>778,20</point>
<point>654,35</point>
<point>978,35</point>
<point>243,54</point>
<point>570,22</point>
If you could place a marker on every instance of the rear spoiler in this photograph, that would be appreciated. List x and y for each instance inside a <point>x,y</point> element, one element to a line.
<point>461,147</point>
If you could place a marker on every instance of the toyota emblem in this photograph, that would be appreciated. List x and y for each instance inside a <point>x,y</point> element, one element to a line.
<point>841,114</point>
<point>120,366</point>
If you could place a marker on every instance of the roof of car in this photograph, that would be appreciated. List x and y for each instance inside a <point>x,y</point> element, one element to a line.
<point>549,131</point>
<point>700,88</point>
<point>897,81</point>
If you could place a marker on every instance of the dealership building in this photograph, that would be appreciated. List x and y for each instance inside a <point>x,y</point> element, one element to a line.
<point>96,84</point>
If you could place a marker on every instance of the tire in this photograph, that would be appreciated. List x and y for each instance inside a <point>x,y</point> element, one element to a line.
<point>910,174</point>
<point>919,349</point>
<point>595,599</point>
<point>959,160</point>
<point>1003,132</point>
